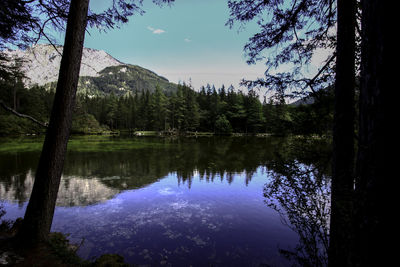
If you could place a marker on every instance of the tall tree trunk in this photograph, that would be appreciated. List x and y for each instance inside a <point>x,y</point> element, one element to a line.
<point>340,246</point>
<point>371,148</point>
<point>39,213</point>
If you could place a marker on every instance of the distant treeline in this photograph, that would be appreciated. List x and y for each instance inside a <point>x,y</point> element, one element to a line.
<point>220,111</point>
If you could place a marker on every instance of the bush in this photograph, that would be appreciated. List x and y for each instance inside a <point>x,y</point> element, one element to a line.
<point>222,125</point>
<point>13,125</point>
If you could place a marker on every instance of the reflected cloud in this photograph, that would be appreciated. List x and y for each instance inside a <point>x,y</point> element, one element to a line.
<point>167,191</point>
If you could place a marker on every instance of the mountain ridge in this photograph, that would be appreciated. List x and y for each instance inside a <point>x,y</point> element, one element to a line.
<point>100,73</point>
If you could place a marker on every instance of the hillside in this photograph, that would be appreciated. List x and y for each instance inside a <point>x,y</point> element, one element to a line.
<point>100,73</point>
<point>122,80</point>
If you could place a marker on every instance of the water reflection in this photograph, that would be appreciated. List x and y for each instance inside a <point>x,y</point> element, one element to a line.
<point>186,201</point>
<point>73,191</point>
<point>108,173</point>
<point>301,194</point>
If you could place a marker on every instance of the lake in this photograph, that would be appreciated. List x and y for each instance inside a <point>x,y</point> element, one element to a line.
<point>211,201</point>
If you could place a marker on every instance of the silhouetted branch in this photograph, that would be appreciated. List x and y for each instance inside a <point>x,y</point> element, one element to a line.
<point>21,115</point>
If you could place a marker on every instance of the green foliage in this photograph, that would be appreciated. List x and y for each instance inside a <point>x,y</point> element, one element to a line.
<point>255,119</point>
<point>278,118</point>
<point>60,247</point>
<point>12,125</point>
<point>184,110</point>
<point>159,110</point>
<point>123,80</point>
<point>222,125</point>
<point>87,124</point>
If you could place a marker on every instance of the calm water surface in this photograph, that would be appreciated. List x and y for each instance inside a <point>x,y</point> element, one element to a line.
<point>181,201</point>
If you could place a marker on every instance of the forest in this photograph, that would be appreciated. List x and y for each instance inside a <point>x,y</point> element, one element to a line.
<point>355,34</point>
<point>220,111</point>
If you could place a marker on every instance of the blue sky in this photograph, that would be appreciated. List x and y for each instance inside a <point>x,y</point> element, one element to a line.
<point>188,40</point>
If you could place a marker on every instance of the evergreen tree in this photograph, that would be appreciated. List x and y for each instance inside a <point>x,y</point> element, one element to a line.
<point>40,210</point>
<point>179,109</point>
<point>111,111</point>
<point>135,111</point>
<point>159,110</point>
<point>277,117</point>
<point>202,100</point>
<point>144,112</point>
<point>123,113</point>
<point>222,93</point>
<point>289,36</point>
<point>214,108</point>
<point>192,116</point>
<point>254,113</point>
<point>236,112</point>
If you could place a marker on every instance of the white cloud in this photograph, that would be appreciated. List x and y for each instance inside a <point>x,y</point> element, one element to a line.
<point>187,40</point>
<point>155,31</point>
<point>158,31</point>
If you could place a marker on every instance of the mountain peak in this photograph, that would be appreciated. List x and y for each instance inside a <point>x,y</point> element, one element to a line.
<point>41,63</point>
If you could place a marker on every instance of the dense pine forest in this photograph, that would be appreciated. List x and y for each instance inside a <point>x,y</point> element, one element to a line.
<point>219,111</point>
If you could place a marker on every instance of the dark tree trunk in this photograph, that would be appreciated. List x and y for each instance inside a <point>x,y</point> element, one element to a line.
<point>343,138</point>
<point>371,154</point>
<point>39,213</point>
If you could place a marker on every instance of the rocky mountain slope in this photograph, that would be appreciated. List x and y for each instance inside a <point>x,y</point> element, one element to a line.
<point>124,79</point>
<point>100,73</point>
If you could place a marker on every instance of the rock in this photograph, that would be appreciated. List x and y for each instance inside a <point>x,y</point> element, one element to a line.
<point>41,63</point>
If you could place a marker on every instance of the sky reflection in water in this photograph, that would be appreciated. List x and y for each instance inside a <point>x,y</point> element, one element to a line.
<point>204,217</point>
<point>208,223</point>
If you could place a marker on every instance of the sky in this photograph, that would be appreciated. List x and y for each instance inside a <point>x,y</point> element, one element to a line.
<point>185,42</point>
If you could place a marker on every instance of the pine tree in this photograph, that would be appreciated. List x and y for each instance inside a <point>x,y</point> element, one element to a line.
<point>40,210</point>
<point>159,110</point>
<point>236,112</point>
<point>254,114</point>
<point>111,110</point>
<point>192,116</point>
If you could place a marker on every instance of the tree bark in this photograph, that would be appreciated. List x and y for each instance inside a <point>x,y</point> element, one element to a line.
<point>40,210</point>
<point>371,155</point>
<point>341,231</point>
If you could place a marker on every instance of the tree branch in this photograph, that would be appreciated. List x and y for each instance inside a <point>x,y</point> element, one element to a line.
<point>21,115</point>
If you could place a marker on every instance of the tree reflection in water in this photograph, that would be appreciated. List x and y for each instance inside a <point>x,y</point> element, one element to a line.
<point>301,194</point>
<point>298,188</point>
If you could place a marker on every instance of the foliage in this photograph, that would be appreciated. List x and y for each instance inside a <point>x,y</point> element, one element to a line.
<point>60,248</point>
<point>291,33</point>
<point>86,124</point>
<point>222,125</point>
<point>12,125</point>
<point>5,225</point>
<point>299,189</point>
<point>122,80</point>
<point>110,260</point>
<point>24,22</point>
<point>185,110</point>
